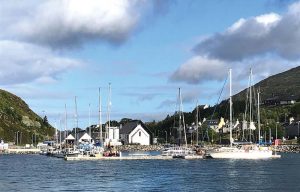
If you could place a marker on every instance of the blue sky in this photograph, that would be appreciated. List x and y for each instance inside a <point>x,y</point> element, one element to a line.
<point>52,51</point>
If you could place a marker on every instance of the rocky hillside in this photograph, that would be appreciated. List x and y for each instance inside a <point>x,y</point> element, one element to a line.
<point>17,119</point>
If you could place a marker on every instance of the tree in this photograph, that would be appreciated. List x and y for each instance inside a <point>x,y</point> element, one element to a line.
<point>45,120</point>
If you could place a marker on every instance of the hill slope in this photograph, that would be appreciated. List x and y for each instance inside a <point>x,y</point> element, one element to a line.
<point>17,118</point>
<point>284,84</point>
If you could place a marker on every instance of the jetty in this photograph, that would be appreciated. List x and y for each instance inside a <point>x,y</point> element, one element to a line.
<point>22,151</point>
<point>131,157</point>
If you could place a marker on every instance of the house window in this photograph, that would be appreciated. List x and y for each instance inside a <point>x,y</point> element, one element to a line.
<point>140,134</point>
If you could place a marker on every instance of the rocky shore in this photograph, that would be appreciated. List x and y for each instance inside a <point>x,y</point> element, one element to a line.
<point>279,148</point>
<point>288,148</point>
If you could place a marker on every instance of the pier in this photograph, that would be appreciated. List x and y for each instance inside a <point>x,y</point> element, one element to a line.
<point>22,151</point>
<point>132,157</point>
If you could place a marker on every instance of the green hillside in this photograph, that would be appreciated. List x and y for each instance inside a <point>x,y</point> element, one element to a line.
<point>284,84</point>
<point>16,118</point>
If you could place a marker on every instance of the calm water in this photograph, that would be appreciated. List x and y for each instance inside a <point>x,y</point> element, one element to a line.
<point>41,173</point>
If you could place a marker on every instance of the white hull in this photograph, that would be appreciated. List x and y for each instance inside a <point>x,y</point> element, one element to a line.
<point>235,153</point>
<point>178,151</point>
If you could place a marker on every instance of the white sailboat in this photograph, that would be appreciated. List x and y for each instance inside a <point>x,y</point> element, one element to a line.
<point>180,151</point>
<point>245,151</point>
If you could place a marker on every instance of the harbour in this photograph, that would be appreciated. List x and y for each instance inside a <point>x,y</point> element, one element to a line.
<point>38,172</point>
<point>157,95</point>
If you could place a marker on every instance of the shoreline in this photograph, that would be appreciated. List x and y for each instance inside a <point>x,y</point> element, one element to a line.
<point>149,148</point>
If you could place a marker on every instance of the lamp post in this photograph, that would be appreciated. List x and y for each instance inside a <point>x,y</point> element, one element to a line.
<point>17,137</point>
<point>20,138</point>
<point>276,130</point>
<point>298,128</point>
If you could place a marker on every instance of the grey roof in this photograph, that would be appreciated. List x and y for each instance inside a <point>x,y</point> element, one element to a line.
<point>130,126</point>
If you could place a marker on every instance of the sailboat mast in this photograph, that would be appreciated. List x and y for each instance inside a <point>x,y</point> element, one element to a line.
<point>109,103</point>
<point>100,117</point>
<point>230,107</point>
<point>56,131</point>
<point>90,128</point>
<point>197,122</point>
<point>66,120</point>
<point>76,119</point>
<point>179,123</point>
<point>181,112</point>
<point>60,133</point>
<point>108,107</point>
<point>258,114</point>
<point>250,103</point>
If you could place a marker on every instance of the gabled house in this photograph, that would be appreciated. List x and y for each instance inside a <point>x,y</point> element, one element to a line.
<point>213,123</point>
<point>135,132</point>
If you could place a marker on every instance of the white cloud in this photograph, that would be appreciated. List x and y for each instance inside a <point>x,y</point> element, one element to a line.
<point>199,69</point>
<point>23,63</point>
<point>257,36</point>
<point>67,23</point>
<point>268,43</point>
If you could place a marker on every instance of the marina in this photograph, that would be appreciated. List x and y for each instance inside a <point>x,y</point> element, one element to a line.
<point>150,95</point>
<point>38,172</point>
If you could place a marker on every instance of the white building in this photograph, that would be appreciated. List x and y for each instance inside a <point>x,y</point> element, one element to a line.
<point>86,138</point>
<point>3,146</point>
<point>135,132</point>
<point>113,137</point>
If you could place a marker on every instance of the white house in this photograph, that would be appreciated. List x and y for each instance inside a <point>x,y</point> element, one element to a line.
<point>135,132</point>
<point>86,138</point>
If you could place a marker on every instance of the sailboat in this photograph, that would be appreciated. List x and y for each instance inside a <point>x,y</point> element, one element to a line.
<point>238,151</point>
<point>180,151</point>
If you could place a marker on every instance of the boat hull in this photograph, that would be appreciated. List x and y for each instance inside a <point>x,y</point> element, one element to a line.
<point>242,155</point>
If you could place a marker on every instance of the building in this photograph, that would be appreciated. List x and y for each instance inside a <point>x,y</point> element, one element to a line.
<point>3,146</point>
<point>135,132</point>
<point>292,130</point>
<point>213,124</point>
<point>85,138</point>
<point>277,100</point>
<point>113,137</point>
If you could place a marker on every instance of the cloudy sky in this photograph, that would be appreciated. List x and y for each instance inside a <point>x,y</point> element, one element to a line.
<point>52,51</point>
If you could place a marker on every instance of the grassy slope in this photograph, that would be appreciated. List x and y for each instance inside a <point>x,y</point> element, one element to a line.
<point>12,110</point>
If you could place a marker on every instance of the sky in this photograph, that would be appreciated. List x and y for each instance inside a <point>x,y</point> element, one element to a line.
<point>54,50</point>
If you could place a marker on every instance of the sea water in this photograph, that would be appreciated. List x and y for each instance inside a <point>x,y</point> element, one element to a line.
<point>42,173</point>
